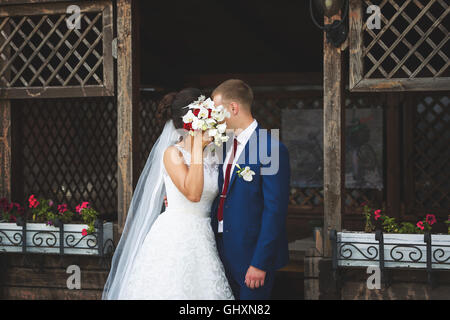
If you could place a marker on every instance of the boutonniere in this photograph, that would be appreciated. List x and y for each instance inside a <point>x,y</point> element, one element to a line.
<point>245,173</point>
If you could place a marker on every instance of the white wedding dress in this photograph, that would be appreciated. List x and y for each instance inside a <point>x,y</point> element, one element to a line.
<point>178,259</point>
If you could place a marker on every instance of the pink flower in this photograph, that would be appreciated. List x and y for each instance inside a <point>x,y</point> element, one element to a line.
<point>84,232</point>
<point>431,219</point>
<point>420,225</point>
<point>50,203</point>
<point>33,202</point>
<point>84,205</point>
<point>377,214</point>
<point>62,208</point>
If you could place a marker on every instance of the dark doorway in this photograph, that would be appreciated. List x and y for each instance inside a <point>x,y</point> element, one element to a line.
<point>181,38</point>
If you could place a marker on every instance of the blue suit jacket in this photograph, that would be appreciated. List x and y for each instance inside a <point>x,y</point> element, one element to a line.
<point>254,215</point>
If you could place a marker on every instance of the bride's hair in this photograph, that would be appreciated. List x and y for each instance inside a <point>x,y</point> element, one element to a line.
<point>172,105</point>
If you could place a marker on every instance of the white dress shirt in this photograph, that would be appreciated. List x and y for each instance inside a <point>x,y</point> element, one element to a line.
<point>242,139</point>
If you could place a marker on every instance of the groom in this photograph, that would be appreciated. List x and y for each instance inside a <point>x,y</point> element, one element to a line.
<point>249,215</point>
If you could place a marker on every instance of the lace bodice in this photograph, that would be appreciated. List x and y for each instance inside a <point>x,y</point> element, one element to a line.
<point>178,202</point>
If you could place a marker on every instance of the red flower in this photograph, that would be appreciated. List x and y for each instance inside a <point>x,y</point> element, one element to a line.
<point>187,126</point>
<point>84,232</point>
<point>364,204</point>
<point>196,112</point>
<point>420,225</point>
<point>431,219</point>
<point>78,209</point>
<point>33,202</point>
<point>377,214</point>
<point>85,205</point>
<point>62,208</point>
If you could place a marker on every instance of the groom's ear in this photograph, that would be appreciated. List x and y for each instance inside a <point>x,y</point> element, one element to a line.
<point>234,107</point>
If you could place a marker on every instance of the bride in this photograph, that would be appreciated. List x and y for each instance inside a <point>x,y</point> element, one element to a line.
<point>171,255</point>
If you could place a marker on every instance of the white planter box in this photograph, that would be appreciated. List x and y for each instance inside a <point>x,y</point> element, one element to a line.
<point>46,239</point>
<point>400,250</point>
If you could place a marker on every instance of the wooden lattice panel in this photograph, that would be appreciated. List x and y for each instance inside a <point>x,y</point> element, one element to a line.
<point>149,126</point>
<point>408,52</point>
<point>66,150</point>
<point>427,155</point>
<point>42,54</point>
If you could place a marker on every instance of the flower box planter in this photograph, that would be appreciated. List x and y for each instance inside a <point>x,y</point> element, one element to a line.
<point>357,249</point>
<point>40,238</point>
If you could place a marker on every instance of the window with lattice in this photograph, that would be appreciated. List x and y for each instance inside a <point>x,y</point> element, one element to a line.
<point>56,50</point>
<point>407,51</point>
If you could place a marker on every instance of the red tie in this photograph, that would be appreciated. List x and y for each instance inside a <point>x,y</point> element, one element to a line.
<point>226,182</point>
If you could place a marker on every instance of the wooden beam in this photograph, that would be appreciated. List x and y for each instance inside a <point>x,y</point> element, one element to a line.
<point>402,85</point>
<point>127,103</point>
<point>333,146</point>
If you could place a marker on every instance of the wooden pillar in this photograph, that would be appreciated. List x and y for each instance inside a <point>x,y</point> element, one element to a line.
<point>333,146</point>
<point>5,149</point>
<point>5,126</point>
<point>393,148</point>
<point>127,103</point>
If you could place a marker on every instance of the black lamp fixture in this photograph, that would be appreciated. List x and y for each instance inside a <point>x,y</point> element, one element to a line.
<point>337,31</point>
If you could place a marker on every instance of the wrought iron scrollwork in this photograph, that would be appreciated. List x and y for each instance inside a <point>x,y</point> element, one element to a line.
<point>416,251</point>
<point>440,259</point>
<point>91,241</point>
<point>346,252</point>
<point>38,239</point>
<point>414,254</point>
<point>16,236</point>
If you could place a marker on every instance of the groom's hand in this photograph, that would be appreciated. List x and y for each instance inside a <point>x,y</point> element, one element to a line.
<point>254,277</point>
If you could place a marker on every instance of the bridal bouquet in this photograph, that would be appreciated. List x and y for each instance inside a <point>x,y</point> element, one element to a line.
<point>203,115</point>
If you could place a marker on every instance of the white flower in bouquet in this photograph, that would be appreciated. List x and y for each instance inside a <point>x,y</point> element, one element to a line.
<point>188,117</point>
<point>203,115</point>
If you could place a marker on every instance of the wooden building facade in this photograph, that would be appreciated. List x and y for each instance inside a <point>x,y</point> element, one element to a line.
<point>78,118</point>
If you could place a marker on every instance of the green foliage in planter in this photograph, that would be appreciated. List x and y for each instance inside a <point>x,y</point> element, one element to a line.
<point>89,216</point>
<point>407,227</point>
<point>40,210</point>
<point>43,210</point>
<point>368,215</point>
<point>389,224</point>
<point>65,217</point>
<point>375,219</point>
